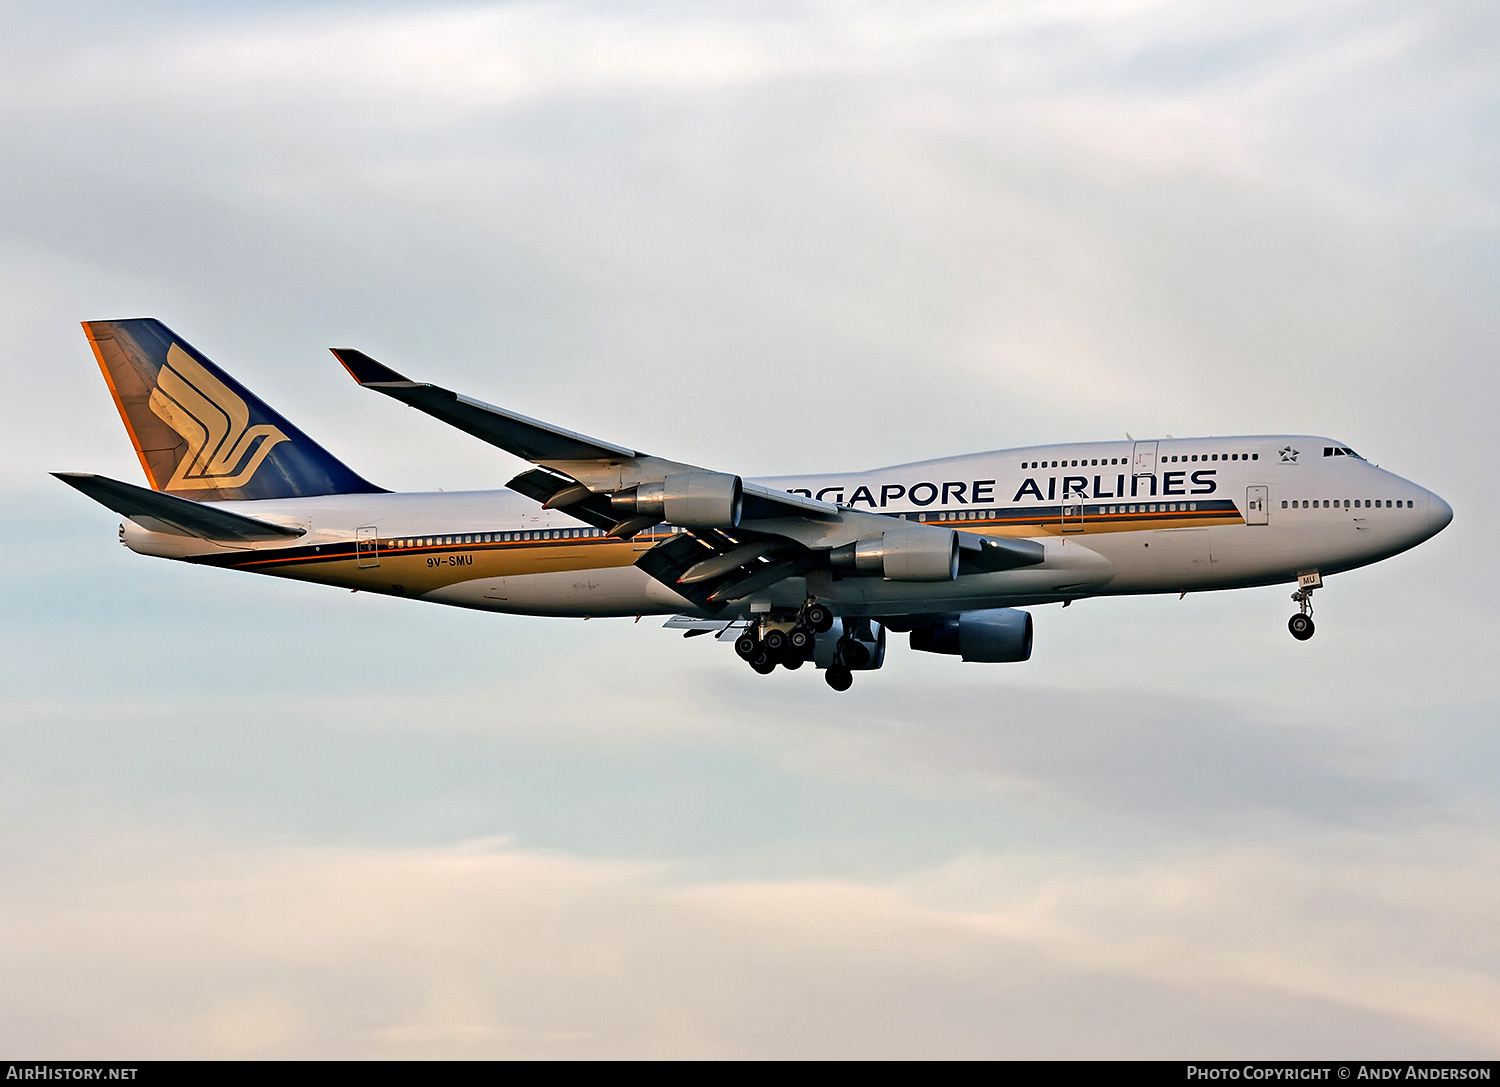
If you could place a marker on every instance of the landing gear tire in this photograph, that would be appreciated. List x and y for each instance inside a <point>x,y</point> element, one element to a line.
<point>1301,624</point>
<point>775,642</point>
<point>746,646</point>
<point>852,654</point>
<point>817,619</point>
<point>763,663</point>
<point>800,640</point>
<point>839,677</point>
<point>793,664</point>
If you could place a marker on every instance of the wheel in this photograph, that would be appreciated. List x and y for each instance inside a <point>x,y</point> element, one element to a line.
<point>774,641</point>
<point>839,678</point>
<point>746,645</point>
<point>793,664</point>
<point>1301,626</point>
<point>799,639</point>
<point>853,654</point>
<point>818,619</point>
<point>763,663</point>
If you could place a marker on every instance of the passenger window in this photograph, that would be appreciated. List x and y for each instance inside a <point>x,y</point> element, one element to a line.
<point>1283,505</point>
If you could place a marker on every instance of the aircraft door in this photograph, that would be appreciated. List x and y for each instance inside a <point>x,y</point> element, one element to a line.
<point>367,546</point>
<point>1257,508</point>
<point>1144,461</point>
<point>1072,511</point>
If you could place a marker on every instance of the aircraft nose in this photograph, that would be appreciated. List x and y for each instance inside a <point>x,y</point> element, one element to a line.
<point>1439,514</point>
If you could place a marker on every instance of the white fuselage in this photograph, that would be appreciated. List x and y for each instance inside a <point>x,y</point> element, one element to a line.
<point>1114,517</point>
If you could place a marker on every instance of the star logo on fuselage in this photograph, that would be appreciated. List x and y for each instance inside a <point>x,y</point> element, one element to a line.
<point>1289,455</point>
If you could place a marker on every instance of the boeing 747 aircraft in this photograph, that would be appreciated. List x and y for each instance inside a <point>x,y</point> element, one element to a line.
<point>792,570</point>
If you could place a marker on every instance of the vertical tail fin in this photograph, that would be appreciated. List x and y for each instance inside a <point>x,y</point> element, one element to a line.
<point>199,433</point>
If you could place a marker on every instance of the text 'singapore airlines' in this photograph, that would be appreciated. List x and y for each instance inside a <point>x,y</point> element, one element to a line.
<point>815,569</point>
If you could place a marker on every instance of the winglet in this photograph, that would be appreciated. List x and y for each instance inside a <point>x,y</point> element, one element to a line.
<point>365,370</point>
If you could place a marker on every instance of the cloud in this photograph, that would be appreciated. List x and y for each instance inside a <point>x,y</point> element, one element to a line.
<point>1185,762</point>
<point>173,947</point>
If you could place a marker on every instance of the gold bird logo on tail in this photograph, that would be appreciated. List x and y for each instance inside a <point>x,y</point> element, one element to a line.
<point>224,451</point>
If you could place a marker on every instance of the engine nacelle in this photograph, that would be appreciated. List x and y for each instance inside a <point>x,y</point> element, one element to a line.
<point>910,552</point>
<point>993,636</point>
<point>689,499</point>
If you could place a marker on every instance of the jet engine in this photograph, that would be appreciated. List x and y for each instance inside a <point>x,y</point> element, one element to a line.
<point>689,499</point>
<point>906,553</point>
<point>993,636</point>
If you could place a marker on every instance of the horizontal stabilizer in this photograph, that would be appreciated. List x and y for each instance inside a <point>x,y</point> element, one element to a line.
<point>518,434</point>
<point>158,512</point>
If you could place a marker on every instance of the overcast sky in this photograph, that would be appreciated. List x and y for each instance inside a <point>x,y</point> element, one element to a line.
<point>241,817</point>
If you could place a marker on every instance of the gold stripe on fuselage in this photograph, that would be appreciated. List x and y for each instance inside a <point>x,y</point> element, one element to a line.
<point>422,568</point>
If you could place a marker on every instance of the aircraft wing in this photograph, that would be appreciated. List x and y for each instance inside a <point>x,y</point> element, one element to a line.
<point>530,439</point>
<point>157,511</point>
<point>578,465</point>
<point>758,537</point>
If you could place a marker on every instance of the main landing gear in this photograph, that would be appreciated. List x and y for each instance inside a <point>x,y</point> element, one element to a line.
<point>790,644</point>
<point>763,648</point>
<point>1301,625</point>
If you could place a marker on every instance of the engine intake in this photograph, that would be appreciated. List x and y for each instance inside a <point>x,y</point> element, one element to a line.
<point>907,553</point>
<point>689,499</point>
<point>992,636</point>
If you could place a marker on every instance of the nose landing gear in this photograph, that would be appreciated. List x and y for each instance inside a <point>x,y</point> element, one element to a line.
<point>1301,625</point>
